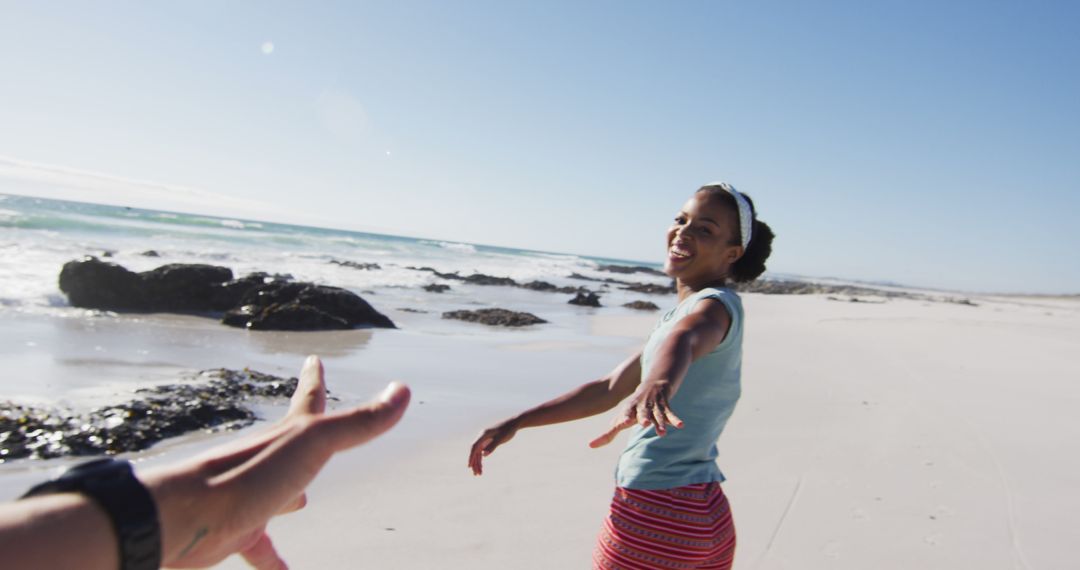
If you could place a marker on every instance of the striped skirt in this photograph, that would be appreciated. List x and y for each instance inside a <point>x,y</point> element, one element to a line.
<point>683,528</point>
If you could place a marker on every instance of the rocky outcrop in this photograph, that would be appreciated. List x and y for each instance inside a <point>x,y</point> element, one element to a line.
<point>642,306</point>
<point>257,301</point>
<point>95,284</point>
<point>495,317</point>
<point>355,265</point>
<point>303,306</point>
<point>586,300</point>
<point>483,279</point>
<point>631,269</point>
<point>436,288</point>
<point>217,399</point>
<point>651,288</point>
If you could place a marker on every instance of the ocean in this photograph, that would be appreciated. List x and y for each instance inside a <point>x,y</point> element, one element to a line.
<point>58,354</point>
<point>37,236</point>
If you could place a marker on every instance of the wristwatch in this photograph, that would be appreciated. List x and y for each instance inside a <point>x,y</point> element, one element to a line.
<point>111,483</point>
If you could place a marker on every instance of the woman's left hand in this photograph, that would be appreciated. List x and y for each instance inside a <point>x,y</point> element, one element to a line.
<point>648,406</point>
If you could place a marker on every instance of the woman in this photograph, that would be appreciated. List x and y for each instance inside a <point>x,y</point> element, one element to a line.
<point>669,510</point>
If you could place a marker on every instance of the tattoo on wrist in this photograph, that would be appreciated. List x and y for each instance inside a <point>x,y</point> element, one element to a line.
<point>199,535</point>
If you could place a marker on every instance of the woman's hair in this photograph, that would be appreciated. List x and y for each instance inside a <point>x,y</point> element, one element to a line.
<point>752,263</point>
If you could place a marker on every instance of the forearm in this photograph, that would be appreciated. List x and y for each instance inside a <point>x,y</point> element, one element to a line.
<point>587,400</point>
<point>672,361</point>
<point>65,530</point>
<point>584,401</point>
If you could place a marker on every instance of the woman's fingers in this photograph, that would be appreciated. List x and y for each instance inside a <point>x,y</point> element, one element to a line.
<point>672,418</point>
<point>606,437</point>
<point>476,454</point>
<point>659,420</point>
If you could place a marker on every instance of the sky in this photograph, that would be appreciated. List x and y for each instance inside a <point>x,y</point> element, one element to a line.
<point>928,143</point>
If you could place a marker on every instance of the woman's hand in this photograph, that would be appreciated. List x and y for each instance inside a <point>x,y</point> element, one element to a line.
<point>490,439</point>
<point>648,406</point>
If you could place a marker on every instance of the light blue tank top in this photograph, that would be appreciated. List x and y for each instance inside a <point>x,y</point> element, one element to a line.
<point>704,401</point>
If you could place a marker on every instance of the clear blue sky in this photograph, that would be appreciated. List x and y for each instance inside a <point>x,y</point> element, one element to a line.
<point>928,143</point>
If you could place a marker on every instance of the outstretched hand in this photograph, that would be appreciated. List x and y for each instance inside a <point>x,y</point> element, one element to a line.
<point>648,406</point>
<point>486,443</point>
<point>220,503</point>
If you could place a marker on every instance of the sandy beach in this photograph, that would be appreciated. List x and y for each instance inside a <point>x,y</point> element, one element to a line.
<point>894,434</point>
<point>899,435</point>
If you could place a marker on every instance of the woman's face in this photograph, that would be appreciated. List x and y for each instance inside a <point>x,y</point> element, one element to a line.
<point>699,242</point>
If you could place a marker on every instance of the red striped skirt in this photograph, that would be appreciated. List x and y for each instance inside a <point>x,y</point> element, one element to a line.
<point>683,528</point>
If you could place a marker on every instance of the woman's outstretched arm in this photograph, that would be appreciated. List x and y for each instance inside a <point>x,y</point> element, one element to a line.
<point>589,399</point>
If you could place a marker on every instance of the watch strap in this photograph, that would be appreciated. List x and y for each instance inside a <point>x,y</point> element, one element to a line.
<point>112,484</point>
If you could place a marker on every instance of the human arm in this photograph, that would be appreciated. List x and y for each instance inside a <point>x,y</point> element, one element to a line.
<point>589,399</point>
<point>694,336</point>
<point>213,505</point>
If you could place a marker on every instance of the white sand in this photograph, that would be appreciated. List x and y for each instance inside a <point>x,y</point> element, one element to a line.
<point>896,435</point>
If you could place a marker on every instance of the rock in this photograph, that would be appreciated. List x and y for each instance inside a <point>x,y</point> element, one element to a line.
<point>631,269</point>
<point>495,317</point>
<point>481,279</point>
<point>436,288</point>
<point>642,306</point>
<point>586,299</point>
<point>412,310</point>
<point>605,280</point>
<point>303,306</point>
<point>257,301</point>
<point>96,284</point>
<point>650,288</point>
<point>550,288</point>
<point>150,253</point>
<point>214,400</point>
<point>355,265</point>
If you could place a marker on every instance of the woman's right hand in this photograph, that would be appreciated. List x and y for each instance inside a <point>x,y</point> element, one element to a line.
<point>487,442</point>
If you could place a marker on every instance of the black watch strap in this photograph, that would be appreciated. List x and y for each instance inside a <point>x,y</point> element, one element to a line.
<point>112,484</point>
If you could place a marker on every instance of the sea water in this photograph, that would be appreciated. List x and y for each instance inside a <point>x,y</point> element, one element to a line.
<point>37,236</point>
<point>53,352</point>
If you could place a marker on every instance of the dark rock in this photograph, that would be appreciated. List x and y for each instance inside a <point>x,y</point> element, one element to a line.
<point>436,288</point>
<point>481,279</point>
<point>551,288</point>
<point>605,280</point>
<point>150,253</point>
<point>355,265</point>
<point>257,301</point>
<point>630,269</point>
<point>411,310</point>
<point>303,306</point>
<point>642,306</point>
<point>214,400</point>
<point>650,288</point>
<point>96,284</point>
<point>495,317</point>
<point>588,299</point>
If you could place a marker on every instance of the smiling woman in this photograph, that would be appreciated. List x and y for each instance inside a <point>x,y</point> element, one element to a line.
<point>669,510</point>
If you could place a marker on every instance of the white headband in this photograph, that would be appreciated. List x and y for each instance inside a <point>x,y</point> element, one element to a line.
<point>746,215</point>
